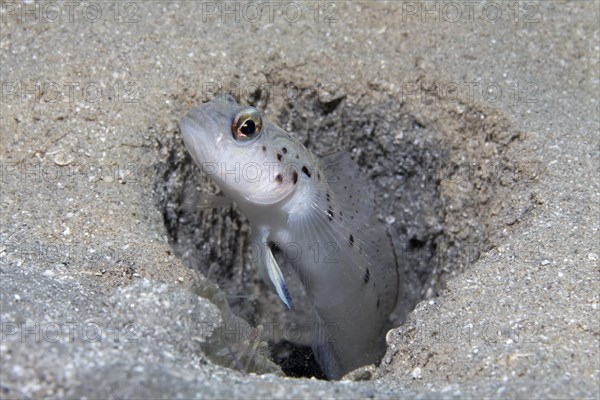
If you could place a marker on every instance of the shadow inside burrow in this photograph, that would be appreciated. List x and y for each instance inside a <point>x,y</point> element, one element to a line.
<point>439,214</point>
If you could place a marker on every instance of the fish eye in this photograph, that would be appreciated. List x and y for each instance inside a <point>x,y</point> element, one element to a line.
<point>247,124</point>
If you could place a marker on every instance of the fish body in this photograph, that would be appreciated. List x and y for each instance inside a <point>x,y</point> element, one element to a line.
<point>318,212</point>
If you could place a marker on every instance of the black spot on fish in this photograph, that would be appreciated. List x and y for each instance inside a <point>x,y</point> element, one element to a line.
<point>264,148</point>
<point>297,156</point>
<point>330,214</point>
<point>378,299</point>
<point>345,186</point>
<point>284,150</point>
<point>279,156</point>
<point>367,276</point>
<point>279,178</point>
<point>351,240</point>
<point>295,177</point>
<point>327,196</point>
<point>318,176</point>
<point>306,171</point>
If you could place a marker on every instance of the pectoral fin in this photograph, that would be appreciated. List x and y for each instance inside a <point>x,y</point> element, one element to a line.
<point>268,267</point>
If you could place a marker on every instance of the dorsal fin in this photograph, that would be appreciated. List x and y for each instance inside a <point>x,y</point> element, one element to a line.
<point>348,265</point>
<point>349,186</point>
<point>341,212</point>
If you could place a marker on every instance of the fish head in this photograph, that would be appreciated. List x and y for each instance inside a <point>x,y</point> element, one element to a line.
<point>238,149</point>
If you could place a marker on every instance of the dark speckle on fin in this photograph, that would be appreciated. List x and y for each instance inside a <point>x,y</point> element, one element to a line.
<point>306,171</point>
<point>352,287</point>
<point>330,214</point>
<point>287,296</point>
<point>367,243</point>
<point>346,181</point>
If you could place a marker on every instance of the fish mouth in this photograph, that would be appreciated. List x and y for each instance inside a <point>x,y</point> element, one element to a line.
<point>204,128</point>
<point>201,134</point>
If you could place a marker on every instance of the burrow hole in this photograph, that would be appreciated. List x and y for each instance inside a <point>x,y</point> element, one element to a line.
<point>445,178</point>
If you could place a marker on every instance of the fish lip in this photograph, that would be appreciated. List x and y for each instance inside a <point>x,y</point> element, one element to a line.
<point>199,134</point>
<point>203,128</point>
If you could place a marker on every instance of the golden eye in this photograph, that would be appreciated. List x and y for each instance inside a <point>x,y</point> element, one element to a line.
<point>247,124</point>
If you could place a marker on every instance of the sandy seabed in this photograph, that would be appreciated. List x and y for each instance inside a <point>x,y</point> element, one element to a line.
<point>477,125</point>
